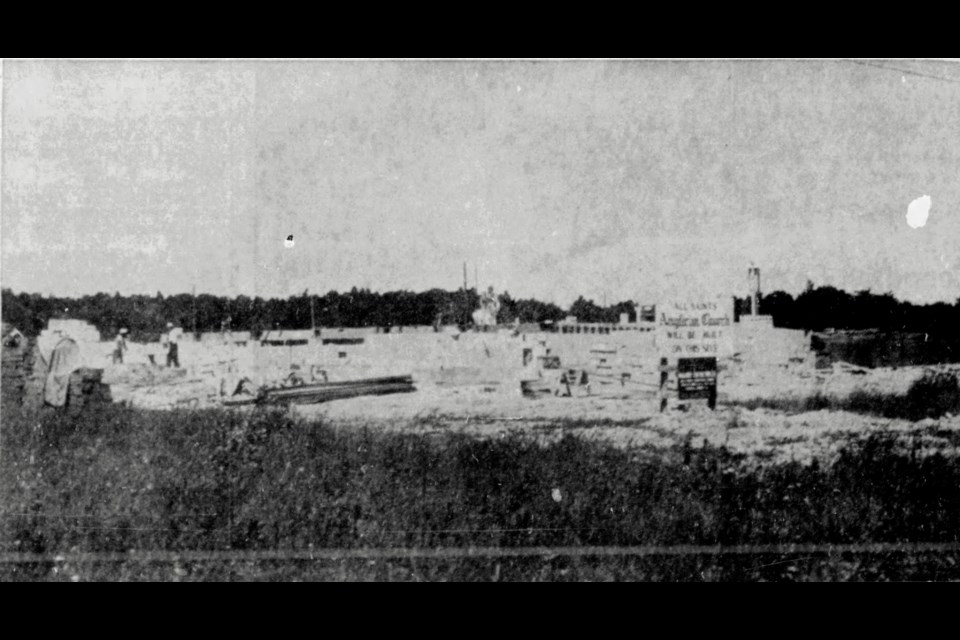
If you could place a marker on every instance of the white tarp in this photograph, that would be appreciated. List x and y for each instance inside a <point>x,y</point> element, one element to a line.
<point>64,360</point>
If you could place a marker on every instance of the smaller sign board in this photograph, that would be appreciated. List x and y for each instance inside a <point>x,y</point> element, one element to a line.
<point>696,378</point>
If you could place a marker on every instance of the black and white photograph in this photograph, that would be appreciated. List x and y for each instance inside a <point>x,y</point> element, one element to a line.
<point>480,320</point>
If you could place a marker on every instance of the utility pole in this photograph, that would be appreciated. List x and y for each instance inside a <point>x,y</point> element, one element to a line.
<point>462,316</point>
<point>194,296</point>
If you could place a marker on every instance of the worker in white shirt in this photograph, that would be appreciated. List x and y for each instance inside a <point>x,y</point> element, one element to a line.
<point>120,345</point>
<point>170,339</point>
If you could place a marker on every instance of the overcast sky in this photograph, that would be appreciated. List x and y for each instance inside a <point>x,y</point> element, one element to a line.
<point>616,180</point>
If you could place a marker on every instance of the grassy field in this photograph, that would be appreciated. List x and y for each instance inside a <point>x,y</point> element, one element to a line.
<point>115,479</point>
<point>932,396</point>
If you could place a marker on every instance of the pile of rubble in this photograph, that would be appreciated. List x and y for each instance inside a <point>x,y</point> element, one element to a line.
<point>186,394</point>
<point>149,386</point>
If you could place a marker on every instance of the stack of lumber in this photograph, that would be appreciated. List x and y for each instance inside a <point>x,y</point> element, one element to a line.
<point>324,392</point>
<point>540,387</point>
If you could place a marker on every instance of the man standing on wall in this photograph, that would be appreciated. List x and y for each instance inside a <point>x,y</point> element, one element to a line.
<point>170,339</point>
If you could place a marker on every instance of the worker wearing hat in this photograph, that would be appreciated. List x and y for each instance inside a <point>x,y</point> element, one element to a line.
<point>171,338</point>
<point>119,346</point>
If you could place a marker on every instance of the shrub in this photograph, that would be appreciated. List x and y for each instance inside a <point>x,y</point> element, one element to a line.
<point>887,405</point>
<point>933,395</point>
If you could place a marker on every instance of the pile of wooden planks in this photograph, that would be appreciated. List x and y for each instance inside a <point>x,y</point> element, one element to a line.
<point>324,392</point>
<point>342,341</point>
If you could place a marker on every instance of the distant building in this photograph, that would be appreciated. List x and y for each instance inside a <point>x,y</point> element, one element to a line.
<point>571,325</point>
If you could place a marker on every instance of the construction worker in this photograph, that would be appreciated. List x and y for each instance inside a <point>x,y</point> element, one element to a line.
<point>119,346</point>
<point>171,339</point>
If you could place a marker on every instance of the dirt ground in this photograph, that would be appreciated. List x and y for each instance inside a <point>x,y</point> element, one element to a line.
<point>472,383</point>
<point>632,418</point>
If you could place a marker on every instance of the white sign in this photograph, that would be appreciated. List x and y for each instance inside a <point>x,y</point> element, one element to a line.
<point>696,328</point>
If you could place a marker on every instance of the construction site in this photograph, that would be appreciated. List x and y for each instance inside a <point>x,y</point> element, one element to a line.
<point>237,345</point>
<point>484,378</point>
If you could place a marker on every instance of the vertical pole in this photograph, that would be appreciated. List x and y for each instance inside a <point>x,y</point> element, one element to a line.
<point>464,312</point>
<point>313,317</point>
<point>753,279</point>
<point>194,296</point>
<point>756,294</point>
<point>663,384</point>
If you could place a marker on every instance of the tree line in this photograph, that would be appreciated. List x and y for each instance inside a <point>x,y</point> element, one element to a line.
<point>145,316</point>
<point>816,309</point>
<point>820,308</point>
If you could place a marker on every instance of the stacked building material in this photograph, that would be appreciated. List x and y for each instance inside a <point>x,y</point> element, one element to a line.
<point>537,388</point>
<point>35,369</point>
<point>28,371</point>
<point>140,375</point>
<point>86,388</point>
<point>324,392</point>
<point>24,375</point>
<point>326,341</point>
<point>16,372</point>
<point>551,384</point>
<point>188,393</point>
<point>606,365</point>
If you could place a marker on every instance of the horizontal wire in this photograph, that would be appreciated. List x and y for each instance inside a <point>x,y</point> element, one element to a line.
<point>476,552</point>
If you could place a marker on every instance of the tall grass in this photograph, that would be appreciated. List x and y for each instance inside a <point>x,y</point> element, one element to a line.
<point>116,479</point>
<point>931,396</point>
